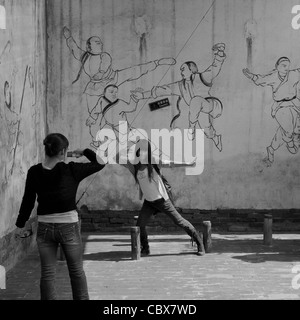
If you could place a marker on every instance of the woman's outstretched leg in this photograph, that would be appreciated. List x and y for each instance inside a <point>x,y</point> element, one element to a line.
<point>168,208</point>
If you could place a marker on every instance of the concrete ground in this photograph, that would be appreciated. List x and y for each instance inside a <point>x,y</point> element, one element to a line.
<point>239,267</point>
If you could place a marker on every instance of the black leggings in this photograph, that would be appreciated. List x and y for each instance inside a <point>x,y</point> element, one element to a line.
<point>164,206</point>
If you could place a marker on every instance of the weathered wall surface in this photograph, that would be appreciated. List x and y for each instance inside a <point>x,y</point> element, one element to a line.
<point>133,32</point>
<point>22,101</point>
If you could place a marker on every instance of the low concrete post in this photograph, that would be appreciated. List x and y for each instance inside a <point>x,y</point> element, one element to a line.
<point>135,243</point>
<point>268,220</point>
<point>207,241</point>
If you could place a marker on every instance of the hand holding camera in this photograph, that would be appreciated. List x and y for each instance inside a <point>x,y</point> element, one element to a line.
<point>75,154</point>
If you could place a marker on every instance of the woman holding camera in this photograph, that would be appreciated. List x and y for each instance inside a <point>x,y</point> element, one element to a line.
<point>54,183</point>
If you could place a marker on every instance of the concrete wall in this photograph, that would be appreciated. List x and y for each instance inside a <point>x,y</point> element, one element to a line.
<point>22,104</point>
<point>256,34</point>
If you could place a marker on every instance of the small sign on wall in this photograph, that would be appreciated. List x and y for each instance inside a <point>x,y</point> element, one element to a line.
<point>159,104</point>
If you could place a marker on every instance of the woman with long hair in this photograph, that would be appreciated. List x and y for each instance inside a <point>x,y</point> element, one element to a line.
<point>156,198</point>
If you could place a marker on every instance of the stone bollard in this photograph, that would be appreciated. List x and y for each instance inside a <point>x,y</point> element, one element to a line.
<point>207,241</point>
<point>268,219</point>
<point>2,278</point>
<point>135,243</point>
<point>205,232</point>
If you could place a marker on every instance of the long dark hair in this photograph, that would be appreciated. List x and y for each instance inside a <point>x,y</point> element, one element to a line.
<point>149,164</point>
<point>55,143</point>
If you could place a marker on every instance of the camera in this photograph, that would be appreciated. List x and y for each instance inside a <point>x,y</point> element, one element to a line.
<point>71,154</point>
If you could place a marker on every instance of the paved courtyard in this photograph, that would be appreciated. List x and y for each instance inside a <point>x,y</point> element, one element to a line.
<point>239,267</point>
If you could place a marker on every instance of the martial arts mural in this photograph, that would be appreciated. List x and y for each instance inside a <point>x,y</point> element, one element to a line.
<point>194,89</point>
<point>97,64</point>
<point>11,111</point>
<point>105,108</point>
<point>9,116</point>
<point>286,107</point>
<point>109,112</point>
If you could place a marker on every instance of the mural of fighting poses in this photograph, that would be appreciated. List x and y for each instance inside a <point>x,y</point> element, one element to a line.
<point>194,89</point>
<point>97,64</point>
<point>9,118</point>
<point>10,115</point>
<point>108,112</point>
<point>286,106</point>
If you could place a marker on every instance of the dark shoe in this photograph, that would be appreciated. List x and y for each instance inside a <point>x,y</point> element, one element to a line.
<point>145,251</point>
<point>200,251</point>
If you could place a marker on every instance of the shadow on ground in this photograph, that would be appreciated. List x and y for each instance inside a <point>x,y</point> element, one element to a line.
<point>280,250</point>
<point>265,257</point>
<point>118,256</point>
<point>255,251</point>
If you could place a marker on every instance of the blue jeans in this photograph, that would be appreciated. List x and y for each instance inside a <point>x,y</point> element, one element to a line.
<point>165,206</point>
<point>49,236</point>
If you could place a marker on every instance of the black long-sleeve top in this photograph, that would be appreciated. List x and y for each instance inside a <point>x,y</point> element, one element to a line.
<point>55,189</point>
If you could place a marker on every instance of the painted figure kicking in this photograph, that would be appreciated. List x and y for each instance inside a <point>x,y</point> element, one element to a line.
<point>194,89</point>
<point>97,64</point>
<point>286,106</point>
<point>108,113</point>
